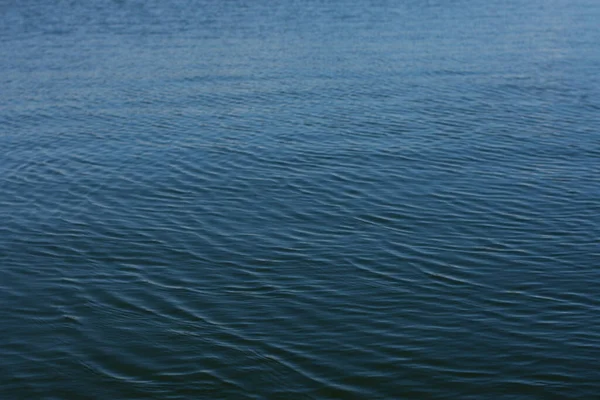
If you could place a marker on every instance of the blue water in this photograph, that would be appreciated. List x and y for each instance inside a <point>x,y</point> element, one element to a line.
<point>302,199</point>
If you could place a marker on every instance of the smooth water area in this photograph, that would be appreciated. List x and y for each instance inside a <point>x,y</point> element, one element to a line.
<point>302,199</point>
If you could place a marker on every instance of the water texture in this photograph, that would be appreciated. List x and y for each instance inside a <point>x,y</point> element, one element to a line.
<point>302,199</point>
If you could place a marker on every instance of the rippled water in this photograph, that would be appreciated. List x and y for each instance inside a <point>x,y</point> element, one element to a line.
<point>300,199</point>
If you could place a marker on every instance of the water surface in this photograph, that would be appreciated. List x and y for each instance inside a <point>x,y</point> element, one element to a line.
<point>354,199</point>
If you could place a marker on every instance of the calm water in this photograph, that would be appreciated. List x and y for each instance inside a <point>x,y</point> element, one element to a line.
<point>302,199</point>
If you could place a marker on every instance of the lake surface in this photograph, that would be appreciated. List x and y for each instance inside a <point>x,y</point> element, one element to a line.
<point>301,199</point>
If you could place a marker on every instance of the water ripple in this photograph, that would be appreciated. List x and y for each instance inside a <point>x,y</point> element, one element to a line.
<point>300,200</point>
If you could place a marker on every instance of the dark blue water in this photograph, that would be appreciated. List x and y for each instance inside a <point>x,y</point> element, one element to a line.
<point>302,199</point>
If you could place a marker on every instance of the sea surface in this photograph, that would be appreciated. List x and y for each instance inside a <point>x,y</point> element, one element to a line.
<point>300,199</point>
